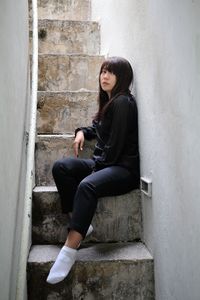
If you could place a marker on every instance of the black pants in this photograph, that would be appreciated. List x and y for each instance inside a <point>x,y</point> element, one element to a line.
<point>79,188</point>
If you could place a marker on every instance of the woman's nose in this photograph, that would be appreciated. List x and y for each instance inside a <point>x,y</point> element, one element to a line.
<point>105,75</point>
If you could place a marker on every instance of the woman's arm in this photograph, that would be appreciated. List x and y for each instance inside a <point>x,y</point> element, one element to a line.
<point>89,132</point>
<point>80,134</point>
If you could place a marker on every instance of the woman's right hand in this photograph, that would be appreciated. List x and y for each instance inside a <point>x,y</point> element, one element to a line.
<point>78,142</point>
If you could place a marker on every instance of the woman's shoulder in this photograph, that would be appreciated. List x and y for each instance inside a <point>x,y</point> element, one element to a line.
<point>123,99</point>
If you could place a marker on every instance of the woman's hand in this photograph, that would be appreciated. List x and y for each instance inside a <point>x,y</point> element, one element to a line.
<point>78,142</point>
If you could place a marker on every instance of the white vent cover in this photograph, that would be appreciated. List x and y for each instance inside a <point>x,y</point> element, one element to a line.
<point>146,186</point>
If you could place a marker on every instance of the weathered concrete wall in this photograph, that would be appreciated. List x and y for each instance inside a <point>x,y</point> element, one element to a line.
<point>162,41</point>
<point>13,105</point>
<point>63,9</point>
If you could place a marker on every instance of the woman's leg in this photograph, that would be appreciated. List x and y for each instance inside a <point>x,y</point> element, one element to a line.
<point>67,174</point>
<point>114,180</point>
<point>109,181</point>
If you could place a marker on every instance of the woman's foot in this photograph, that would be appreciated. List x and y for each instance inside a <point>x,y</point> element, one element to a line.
<point>63,264</point>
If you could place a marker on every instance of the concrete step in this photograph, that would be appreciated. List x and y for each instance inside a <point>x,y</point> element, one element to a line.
<point>63,9</point>
<point>60,112</point>
<point>105,271</point>
<point>68,72</point>
<point>68,37</point>
<point>50,148</point>
<point>116,219</point>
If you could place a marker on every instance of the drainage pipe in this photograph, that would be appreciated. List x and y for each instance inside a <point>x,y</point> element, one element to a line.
<point>26,225</point>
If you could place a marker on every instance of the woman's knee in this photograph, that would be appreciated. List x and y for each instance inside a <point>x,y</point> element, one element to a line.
<point>86,185</point>
<point>56,167</point>
<point>61,165</point>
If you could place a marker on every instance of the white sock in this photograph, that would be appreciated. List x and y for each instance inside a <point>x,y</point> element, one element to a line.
<point>90,229</point>
<point>63,264</point>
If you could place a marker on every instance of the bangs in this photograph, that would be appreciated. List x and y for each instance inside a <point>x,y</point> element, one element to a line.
<point>110,66</point>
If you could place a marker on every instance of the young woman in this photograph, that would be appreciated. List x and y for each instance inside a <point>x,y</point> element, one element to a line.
<point>114,167</point>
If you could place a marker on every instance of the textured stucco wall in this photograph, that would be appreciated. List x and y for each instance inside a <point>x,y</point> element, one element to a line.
<point>162,40</point>
<point>13,105</point>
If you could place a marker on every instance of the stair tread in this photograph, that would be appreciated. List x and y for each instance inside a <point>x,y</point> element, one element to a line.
<point>49,188</point>
<point>136,251</point>
<point>82,90</point>
<point>72,55</point>
<point>52,188</point>
<point>61,136</point>
<point>87,22</point>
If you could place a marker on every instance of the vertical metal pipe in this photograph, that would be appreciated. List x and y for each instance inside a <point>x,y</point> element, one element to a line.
<point>26,225</point>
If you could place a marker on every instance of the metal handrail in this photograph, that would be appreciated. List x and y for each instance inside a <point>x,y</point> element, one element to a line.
<point>26,225</point>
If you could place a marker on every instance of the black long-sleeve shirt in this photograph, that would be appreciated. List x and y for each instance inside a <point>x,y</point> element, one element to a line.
<point>117,135</point>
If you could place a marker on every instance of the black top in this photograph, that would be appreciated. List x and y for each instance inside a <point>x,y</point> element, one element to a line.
<point>117,136</point>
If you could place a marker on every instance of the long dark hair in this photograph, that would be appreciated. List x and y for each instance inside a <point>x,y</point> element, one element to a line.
<point>124,73</point>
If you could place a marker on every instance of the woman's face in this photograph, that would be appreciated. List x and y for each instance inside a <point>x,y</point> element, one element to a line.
<point>107,81</point>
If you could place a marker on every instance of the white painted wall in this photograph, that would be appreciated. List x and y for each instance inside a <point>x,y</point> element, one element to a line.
<point>162,41</point>
<point>13,106</point>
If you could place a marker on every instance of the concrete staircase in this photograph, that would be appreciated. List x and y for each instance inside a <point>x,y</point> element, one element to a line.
<point>112,263</point>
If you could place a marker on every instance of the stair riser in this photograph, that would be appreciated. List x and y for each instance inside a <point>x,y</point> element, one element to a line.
<point>63,9</point>
<point>66,37</point>
<point>66,72</point>
<point>116,219</point>
<point>117,280</point>
<point>48,150</point>
<point>64,112</point>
